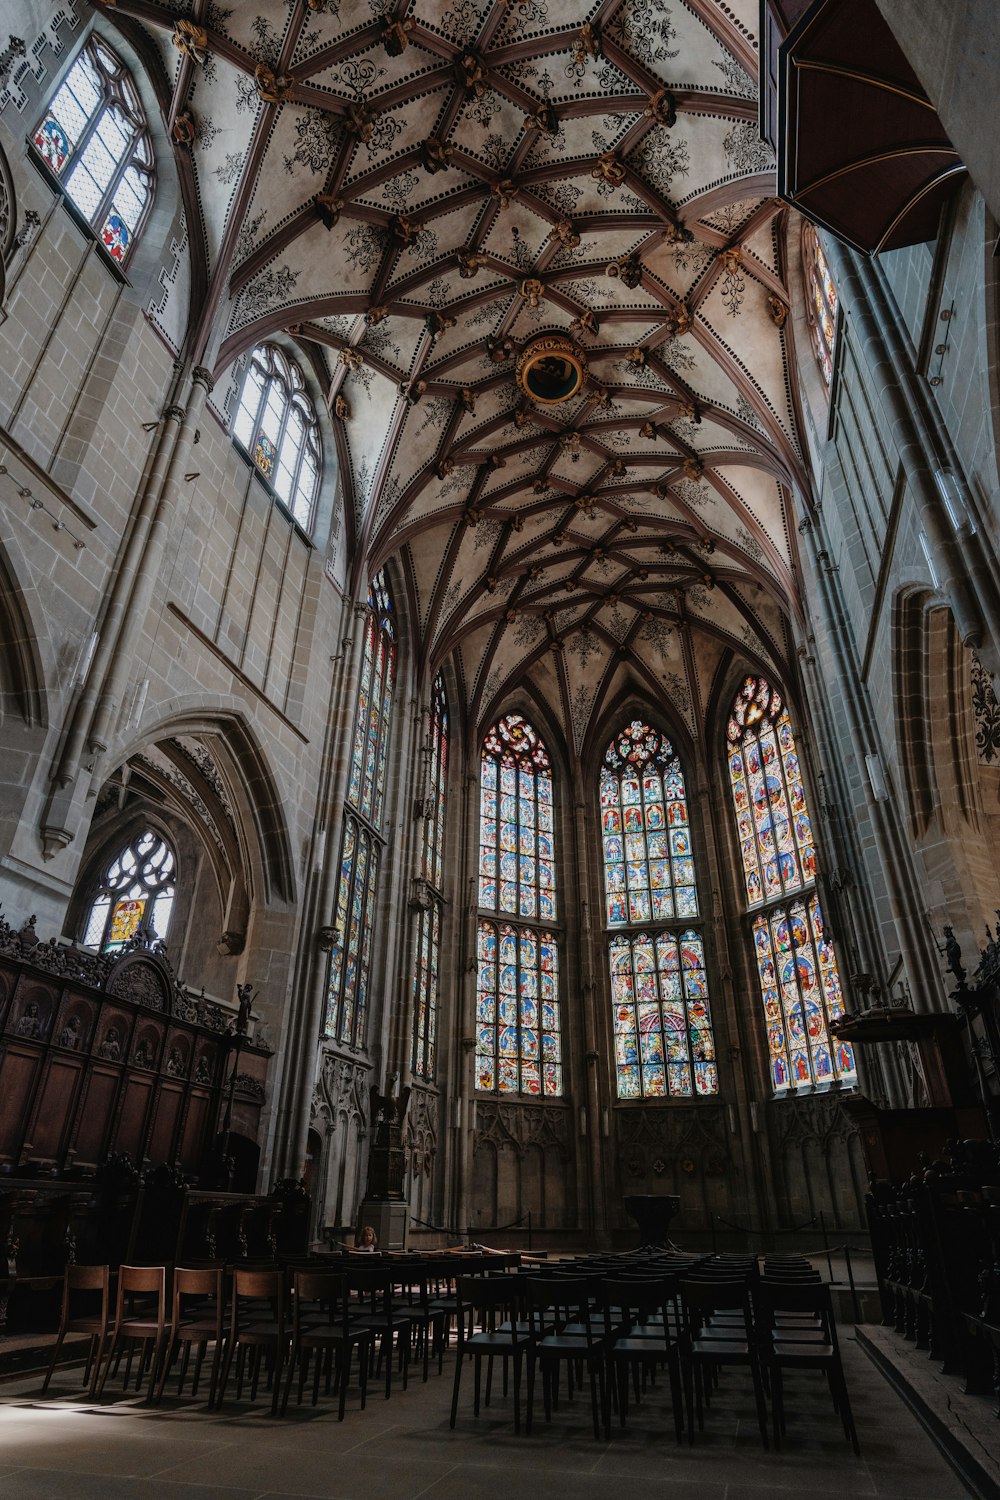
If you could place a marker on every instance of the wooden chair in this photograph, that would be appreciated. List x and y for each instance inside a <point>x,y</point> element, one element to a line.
<point>202,1325</point>
<point>702,1354</point>
<point>145,1326</point>
<point>782,1351</point>
<point>257,1325</point>
<point>83,1279</point>
<point>321,1325</point>
<point>489,1327</point>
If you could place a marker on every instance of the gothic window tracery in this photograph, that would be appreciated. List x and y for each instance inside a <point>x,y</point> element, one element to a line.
<point>427,934</point>
<point>663,1038</point>
<point>362,844</point>
<point>276,427</point>
<point>94,140</point>
<point>796,962</point>
<point>135,895</point>
<point>518,1030</point>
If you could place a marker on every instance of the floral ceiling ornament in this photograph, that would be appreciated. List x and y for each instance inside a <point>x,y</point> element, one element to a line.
<point>532,290</point>
<point>191,41</point>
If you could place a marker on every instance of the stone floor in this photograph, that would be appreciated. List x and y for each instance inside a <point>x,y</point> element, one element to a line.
<point>67,1448</point>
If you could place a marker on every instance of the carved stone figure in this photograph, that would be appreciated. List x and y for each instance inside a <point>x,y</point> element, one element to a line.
<point>70,1034</point>
<point>111,1047</point>
<point>30,1024</point>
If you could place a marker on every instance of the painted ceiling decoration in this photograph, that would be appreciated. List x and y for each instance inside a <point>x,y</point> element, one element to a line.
<point>418,192</point>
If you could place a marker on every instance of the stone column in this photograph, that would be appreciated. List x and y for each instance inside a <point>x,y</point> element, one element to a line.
<point>304,1035</point>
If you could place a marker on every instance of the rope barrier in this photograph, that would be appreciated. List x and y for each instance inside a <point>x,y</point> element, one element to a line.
<point>744,1229</point>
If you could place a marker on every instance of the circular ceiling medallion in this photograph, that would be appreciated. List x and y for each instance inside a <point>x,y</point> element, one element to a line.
<point>551,369</point>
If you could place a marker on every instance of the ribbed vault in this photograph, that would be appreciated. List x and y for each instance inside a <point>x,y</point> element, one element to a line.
<point>415,191</point>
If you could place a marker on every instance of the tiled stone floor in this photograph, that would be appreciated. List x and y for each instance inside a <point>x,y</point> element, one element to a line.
<point>66,1448</point>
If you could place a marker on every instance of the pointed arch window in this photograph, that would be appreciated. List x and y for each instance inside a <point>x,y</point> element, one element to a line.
<point>821,301</point>
<point>277,429</point>
<point>664,1043</point>
<point>135,896</point>
<point>796,963</point>
<point>362,843</point>
<point>518,1023</point>
<point>93,138</point>
<point>427,932</point>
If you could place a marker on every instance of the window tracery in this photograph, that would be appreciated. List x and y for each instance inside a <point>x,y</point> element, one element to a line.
<point>361,844</point>
<point>664,1043</point>
<point>276,427</point>
<point>518,1031</point>
<point>796,963</point>
<point>94,139</point>
<point>135,896</point>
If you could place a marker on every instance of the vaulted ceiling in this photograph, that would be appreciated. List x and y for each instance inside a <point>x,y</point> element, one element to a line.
<point>417,190</point>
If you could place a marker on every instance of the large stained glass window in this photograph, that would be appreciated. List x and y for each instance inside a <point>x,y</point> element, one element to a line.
<point>664,1046</point>
<point>276,427</point>
<point>361,846</point>
<point>366,790</point>
<point>518,1041</point>
<point>821,301</point>
<point>93,138</point>
<point>135,896</point>
<point>427,933</point>
<point>796,963</point>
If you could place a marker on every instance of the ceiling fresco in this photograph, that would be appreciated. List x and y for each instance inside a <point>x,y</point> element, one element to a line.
<point>417,191</point>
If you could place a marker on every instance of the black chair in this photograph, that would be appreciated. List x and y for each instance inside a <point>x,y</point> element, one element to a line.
<point>555,1305</point>
<point>372,1307</point>
<point>322,1326</point>
<point>646,1315</point>
<point>784,1350</point>
<point>702,1354</point>
<point>490,1327</point>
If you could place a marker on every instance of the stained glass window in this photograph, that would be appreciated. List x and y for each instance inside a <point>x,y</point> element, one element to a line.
<point>350,957</point>
<point>663,1031</point>
<point>276,427</point>
<point>796,963</point>
<point>516,852</point>
<point>821,301</point>
<point>663,1039</point>
<point>361,846</point>
<point>518,1045</point>
<point>518,1048</point>
<point>135,896</point>
<point>93,138</point>
<point>427,933</point>
<point>366,790</point>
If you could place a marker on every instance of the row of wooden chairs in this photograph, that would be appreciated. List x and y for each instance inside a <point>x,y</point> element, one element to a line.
<point>277,1316</point>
